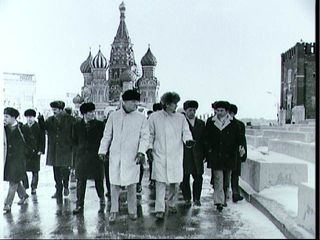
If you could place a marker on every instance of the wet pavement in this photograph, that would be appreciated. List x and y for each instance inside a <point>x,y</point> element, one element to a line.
<point>42,217</point>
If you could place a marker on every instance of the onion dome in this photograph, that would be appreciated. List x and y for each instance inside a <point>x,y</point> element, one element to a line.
<point>149,59</point>
<point>99,61</point>
<point>86,65</point>
<point>127,76</point>
<point>122,7</point>
<point>77,99</point>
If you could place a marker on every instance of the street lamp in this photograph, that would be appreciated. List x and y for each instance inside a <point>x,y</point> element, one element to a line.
<point>277,104</point>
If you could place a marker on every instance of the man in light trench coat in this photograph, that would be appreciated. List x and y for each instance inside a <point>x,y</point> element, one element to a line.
<point>127,134</point>
<point>168,132</point>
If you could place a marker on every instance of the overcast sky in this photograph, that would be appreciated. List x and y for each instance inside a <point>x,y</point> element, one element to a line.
<point>206,49</point>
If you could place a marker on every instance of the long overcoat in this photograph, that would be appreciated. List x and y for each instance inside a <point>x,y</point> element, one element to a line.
<point>87,137</point>
<point>168,133</point>
<point>15,162</point>
<point>244,143</point>
<point>126,134</point>
<point>222,146</point>
<point>193,157</point>
<point>59,131</point>
<point>35,141</point>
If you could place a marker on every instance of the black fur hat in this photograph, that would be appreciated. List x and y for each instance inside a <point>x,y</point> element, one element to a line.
<point>30,113</point>
<point>222,104</point>
<point>190,104</point>
<point>57,104</point>
<point>131,94</point>
<point>87,107</point>
<point>11,111</point>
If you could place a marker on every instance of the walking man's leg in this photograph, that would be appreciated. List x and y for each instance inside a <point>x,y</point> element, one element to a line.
<point>160,199</point>
<point>132,201</point>
<point>115,192</point>
<point>58,180</point>
<point>172,197</point>
<point>197,188</point>
<point>185,187</point>
<point>34,181</point>
<point>81,191</point>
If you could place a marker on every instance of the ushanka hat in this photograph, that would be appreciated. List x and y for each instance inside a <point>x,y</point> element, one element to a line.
<point>131,94</point>
<point>190,104</point>
<point>57,104</point>
<point>11,111</point>
<point>233,108</point>
<point>222,104</point>
<point>30,113</point>
<point>169,97</point>
<point>87,107</point>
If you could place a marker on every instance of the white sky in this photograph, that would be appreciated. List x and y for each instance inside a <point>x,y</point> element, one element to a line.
<point>206,49</point>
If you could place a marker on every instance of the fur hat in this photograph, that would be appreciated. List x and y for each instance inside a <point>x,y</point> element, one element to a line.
<point>131,94</point>
<point>222,104</point>
<point>11,111</point>
<point>30,113</point>
<point>87,107</point>
<point>169,97</point>
<point>190,104</point>
<point>157,107</point>
<point>57,104</point>
<point>233,108</point>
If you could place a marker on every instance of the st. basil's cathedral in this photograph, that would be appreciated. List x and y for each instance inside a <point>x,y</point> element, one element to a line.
<point>122,74</point>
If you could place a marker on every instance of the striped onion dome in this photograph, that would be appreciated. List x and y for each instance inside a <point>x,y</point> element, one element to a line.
<point>127,76</point>
<point>149,59</point>
<point>99,61</point>
<point>86,65</point>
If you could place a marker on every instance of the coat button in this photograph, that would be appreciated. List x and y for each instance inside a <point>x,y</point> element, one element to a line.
<point>9,146</point>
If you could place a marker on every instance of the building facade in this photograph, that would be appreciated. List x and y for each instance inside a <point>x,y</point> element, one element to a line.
<point>105,81</point>
<point>298,82</point>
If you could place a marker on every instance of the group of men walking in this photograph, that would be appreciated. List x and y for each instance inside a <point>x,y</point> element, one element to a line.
<point>175,145</point>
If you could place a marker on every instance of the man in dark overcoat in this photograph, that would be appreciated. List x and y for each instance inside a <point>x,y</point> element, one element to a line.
<point>35,141</point>
<point>87,136</point>
<point>59,154</point>
<point>223,139</point>
<point>193,157</point>
<point>14,162</point>
<point>233,110</point>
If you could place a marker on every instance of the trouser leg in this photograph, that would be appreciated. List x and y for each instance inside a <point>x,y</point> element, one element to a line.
<point>25,181</point>
<point>81,191</point>
<point>65,172</point>
<point>197,186</point>
<point>150,170</point>
<point>212,177</point>
<point>185,187</point>
<point>11,192</point>
<point>226,184</point>
<point>132,198</point>
<point>58,180</point>
<point>173,194</point>
<point>21,190</point>
<point>160,196</point>
<point>235,183</point>
<point>106,171</point>
<point>218,195</point>
<point>141,173</point>
<point>115,192</point>
<point>35,180</point>
<point>99,188</point>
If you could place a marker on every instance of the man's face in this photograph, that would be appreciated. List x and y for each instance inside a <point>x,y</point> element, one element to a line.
<point>171,107</point>
<point>30,119</point>
<point>8,120</point>
<point>231,114</point>
<point>89,115</point>
<point>56,111</point>
<point>191,113</point>
<point>221,112</point>
<point>130,105</point>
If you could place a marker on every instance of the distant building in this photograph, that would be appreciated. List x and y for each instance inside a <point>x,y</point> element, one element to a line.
<point>19,91</point>
<point>298,82</point>
<point>105,91</point>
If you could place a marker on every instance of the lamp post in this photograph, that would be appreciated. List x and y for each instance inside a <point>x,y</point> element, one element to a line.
<point>277,104</point>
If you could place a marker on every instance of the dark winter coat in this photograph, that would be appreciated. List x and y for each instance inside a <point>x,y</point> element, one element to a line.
<point>15,162</point>
<point>87,139</point>
<point>35,141</point>
<point>193,157</point>
<point>222,146</point>
<point>244,143</point>
<point>59,153</point>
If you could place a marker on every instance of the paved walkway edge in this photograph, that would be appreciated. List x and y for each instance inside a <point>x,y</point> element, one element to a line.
<point>275,212</point>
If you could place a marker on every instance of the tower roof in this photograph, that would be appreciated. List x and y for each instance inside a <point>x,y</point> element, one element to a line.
<point>99,61</point>
<point>85,67</point>
<point>127,76</point>
<point>149,59</point>
<point>122,33</point>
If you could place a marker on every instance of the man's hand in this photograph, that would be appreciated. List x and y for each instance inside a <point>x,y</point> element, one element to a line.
<point>149,155</point>
<point>242,151</point>
<point>102,157</point>
<point>190,143</point>
<point>140,158</point>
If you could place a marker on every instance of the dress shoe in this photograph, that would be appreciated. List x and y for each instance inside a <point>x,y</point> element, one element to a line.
<point>23,200</point>
<point>160,215</point>
<point>33,191</point>
<point>54,195</point>
<point>7,208</point>
<point>236,198</point>
<point>173,210</point>
<point>197,203</point>
<point>112,217</point>
<point>66,192</point>
<point>78,210</point>
<point>133,217</point>
<point>219,207</point>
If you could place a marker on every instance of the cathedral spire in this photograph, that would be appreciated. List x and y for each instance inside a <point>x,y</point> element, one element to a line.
<point>122,33</point>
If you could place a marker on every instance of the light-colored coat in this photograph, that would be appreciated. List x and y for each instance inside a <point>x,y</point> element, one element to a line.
<point>126,134</point>
<point>168,132</point>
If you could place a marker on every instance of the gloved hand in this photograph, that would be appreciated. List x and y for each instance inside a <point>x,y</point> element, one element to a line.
<point>140,158</point>
<point>149,155</point>
<point>242,151</point>
<point>102,157</point>
<point>190,143</point>
<point>40,116</point>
